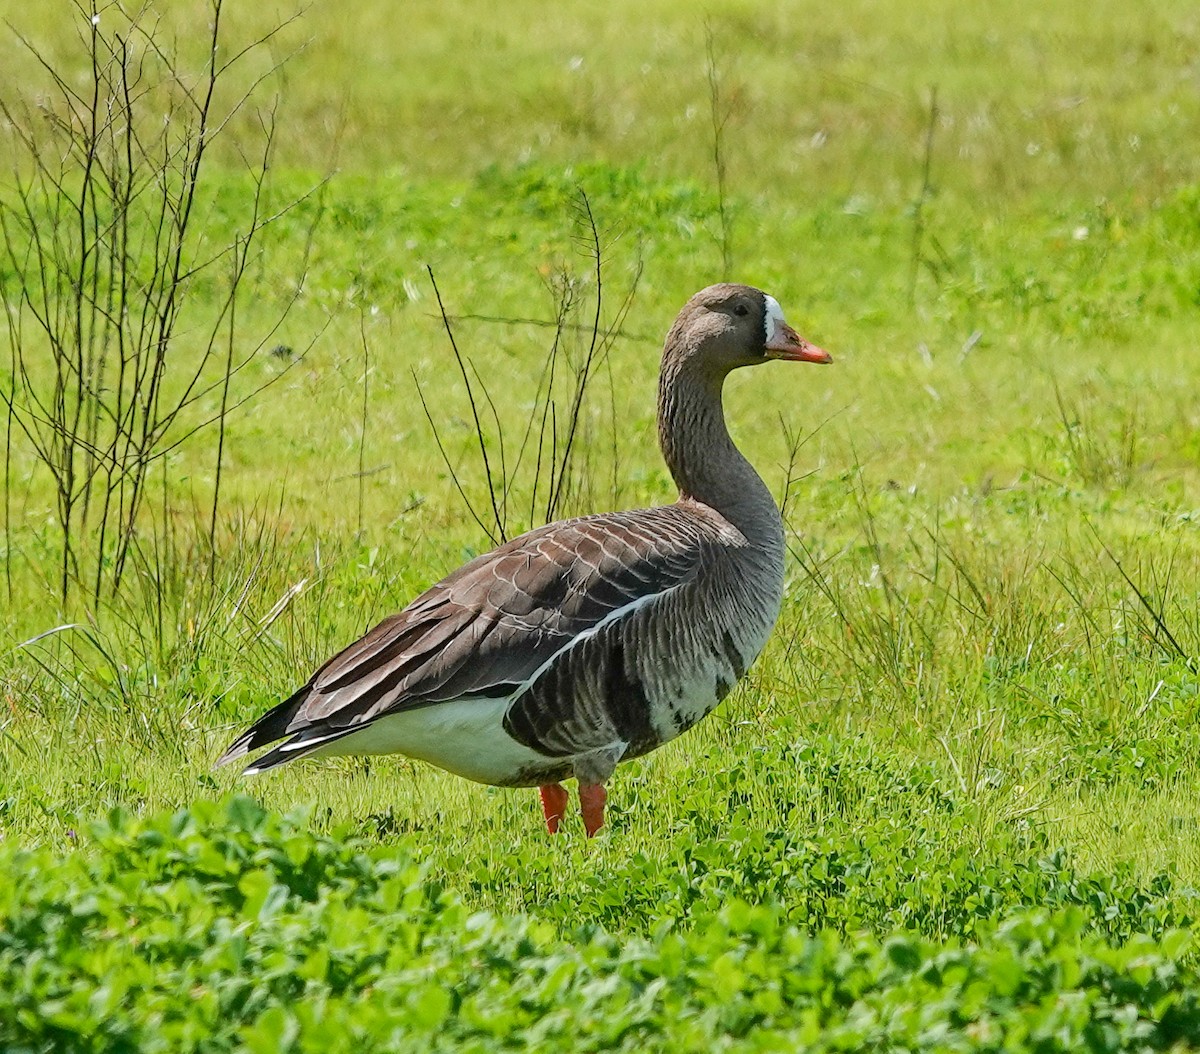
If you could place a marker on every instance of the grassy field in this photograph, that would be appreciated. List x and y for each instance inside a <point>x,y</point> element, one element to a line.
<point>955,804</point>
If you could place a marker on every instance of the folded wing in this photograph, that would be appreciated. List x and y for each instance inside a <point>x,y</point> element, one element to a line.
<point>489,629</point>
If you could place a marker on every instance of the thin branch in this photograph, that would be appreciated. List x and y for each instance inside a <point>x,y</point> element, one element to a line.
<point>437,438</point>
<point>362,432</point>
<point>479,433</point>
<point>585,371</point>
<point>923,196</point>
<point>557,324</point>
<point>719,115</point>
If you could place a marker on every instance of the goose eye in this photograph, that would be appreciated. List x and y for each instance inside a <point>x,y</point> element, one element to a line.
<point>741,310</point>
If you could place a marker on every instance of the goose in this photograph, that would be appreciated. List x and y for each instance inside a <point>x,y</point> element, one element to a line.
<point>588,641</point>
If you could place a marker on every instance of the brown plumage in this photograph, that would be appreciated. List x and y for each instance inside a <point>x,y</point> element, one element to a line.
<point>584,642</point>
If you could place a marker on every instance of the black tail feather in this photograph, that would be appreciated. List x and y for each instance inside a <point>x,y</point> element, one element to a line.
<point>270,728</point>
<point>295,747</point>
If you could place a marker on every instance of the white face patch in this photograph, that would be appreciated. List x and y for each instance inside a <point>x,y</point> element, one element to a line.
<point>774,317</point>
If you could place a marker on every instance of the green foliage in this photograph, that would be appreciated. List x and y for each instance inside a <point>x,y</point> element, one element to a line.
<point>223,928</point>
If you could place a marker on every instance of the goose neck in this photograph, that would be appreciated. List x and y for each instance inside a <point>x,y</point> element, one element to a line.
<point>704,462</point>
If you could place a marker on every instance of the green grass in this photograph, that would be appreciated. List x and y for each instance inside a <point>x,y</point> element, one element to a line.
<point>953,807</point>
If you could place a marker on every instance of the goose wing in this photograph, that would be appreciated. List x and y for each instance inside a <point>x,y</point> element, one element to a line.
<point>491,627</point>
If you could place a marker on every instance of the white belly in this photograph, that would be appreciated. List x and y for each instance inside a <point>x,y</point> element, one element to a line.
<point>463,736</point>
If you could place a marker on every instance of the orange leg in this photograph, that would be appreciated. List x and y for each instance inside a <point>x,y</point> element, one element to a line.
<point>554,805</point>
<point>592,797</point>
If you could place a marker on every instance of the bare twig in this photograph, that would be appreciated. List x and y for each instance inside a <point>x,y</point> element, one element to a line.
<point>437,436</point>
<point>719,114</point>
<point>553,432</point>
<point>555,323</point>
<point>922,197</point>
<point>362,431</point>
<point>497,518</point>
<point>585,371</point>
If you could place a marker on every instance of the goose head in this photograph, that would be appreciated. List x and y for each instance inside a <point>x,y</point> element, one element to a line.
<point>727,326</point>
